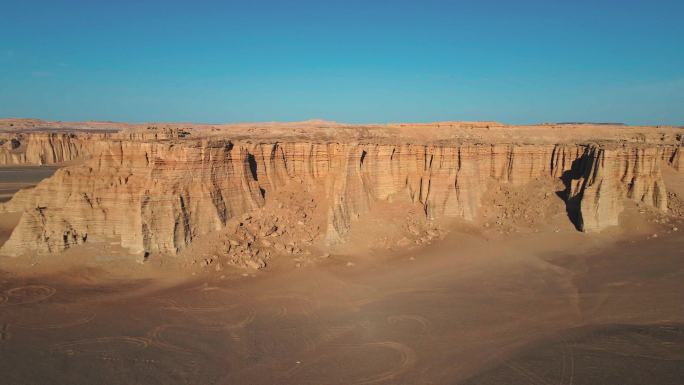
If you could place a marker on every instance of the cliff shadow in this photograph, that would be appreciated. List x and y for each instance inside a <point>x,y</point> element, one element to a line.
<point>572,203</point>
<point>251,160</point>
<point>253,169</point>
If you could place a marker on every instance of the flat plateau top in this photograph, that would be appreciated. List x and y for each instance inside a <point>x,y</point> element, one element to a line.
<point>325,131</point>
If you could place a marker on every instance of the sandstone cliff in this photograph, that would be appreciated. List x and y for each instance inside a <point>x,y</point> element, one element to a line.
<point>676,159</point>
<point>151,197</point>
<point>605,176</point>
<point>157,191</point>
<point>46,148</point>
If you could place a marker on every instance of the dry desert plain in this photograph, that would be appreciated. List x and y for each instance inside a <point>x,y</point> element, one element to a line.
<point>324,253</point>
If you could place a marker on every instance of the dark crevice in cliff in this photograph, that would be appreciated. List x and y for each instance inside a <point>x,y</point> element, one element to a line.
<point>573,199</point>
<point>251,160</point>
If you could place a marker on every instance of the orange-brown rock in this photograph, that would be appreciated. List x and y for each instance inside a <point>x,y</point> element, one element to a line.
<point>157,190</point>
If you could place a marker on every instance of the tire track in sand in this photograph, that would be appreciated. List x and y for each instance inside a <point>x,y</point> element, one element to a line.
<point>27,294</point>
<point>156,335</point>
<point>290,305</point>
<point>102,344</point>
<point>423,322</point>
<point>407,359</point>
<point>406,362</point>
<point>60,325</point>
<point>174,306</point>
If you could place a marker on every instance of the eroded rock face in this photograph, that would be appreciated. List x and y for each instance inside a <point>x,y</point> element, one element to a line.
<point>46,148</point>
<point>676,159</point>
<point>151,197</point>
<point>604,176</point>
<point>42,148</point>
<point>158,196</point>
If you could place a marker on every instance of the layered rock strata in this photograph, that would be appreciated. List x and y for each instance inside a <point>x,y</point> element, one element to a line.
<point>47,148</point>
<point>159,194</point>
<point>604,176</point>
<point>676,159</point>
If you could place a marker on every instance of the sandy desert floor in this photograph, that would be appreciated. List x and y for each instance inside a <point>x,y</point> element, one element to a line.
<point>535,308</point>
<point>14,178</point>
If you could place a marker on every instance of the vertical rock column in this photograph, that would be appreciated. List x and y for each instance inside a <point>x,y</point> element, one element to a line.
<point>611,175</point>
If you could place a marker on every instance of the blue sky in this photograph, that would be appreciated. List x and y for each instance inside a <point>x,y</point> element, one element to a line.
<point>521,61</point>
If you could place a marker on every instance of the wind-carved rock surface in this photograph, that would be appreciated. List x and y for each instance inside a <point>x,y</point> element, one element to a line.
<point>676,159</point>
<point>158,192</point>
<point>152,197</point>
<point>604,176</point>
<point>46,148</point>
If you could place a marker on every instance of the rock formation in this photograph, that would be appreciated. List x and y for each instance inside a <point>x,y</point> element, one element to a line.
<point>606,175</point>
<point>156,191</point>
<point>676,159</point>
<point>46,148</point>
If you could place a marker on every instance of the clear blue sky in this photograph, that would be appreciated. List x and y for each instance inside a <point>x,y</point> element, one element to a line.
<point>353,61</point>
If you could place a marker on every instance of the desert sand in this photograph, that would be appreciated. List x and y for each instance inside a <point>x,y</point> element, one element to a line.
<point>310,277</point>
